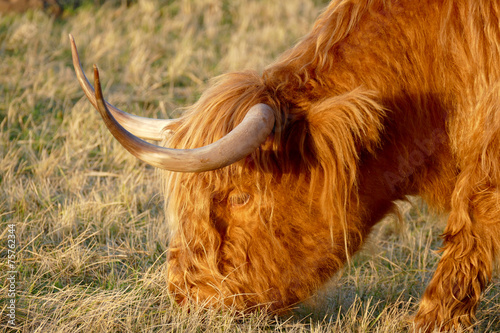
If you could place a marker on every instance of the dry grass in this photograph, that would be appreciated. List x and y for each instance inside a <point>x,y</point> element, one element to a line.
<point>90,237</point>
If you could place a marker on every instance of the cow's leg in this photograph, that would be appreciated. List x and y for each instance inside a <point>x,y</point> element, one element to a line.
<point>471,242</point>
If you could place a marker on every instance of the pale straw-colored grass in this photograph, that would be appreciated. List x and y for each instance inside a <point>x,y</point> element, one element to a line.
<point>90,232</point>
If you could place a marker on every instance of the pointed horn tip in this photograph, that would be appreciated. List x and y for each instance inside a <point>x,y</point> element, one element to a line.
<point>72,42</point>
<point>96,73</point>
<point>97,83</point>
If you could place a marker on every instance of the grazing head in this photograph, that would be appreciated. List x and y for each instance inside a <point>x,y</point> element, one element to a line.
<point>264,230</point>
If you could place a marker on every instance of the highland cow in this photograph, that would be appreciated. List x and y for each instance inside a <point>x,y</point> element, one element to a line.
<point>274,180</point>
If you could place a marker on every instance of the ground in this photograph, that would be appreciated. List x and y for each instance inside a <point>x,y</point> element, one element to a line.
<point>83,219</point>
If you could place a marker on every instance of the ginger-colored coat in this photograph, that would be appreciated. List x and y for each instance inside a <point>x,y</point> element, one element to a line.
<point>381,100</point>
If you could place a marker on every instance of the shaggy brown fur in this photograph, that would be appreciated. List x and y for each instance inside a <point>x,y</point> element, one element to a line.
<point>381,100</point>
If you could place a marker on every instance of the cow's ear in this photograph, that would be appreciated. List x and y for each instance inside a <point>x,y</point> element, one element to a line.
<point>340,128</point>
<point>346,123</point>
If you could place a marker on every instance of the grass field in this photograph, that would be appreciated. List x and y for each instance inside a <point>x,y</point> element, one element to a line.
<point>90,237</point>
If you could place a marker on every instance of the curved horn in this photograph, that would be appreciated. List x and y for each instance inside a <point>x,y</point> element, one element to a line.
<point>239,143</point>
<point>145,128</point>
